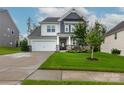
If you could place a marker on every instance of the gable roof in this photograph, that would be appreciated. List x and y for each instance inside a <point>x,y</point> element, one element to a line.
<point>57,19</point>
<point>72,10</point>
<point>36,32</point>
<point>50,19</point>
<point>119,27</point>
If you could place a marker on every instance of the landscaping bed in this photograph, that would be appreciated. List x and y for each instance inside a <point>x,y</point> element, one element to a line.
<point>8,50</point>
<point>55,82</point>
<point>79,61</point>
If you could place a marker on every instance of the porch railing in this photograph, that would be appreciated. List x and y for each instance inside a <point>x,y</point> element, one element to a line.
<point>67,47</point>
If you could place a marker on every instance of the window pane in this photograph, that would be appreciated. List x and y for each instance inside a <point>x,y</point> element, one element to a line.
<point>66,28</point>
<point>72,28</point>
<point>48,28</point>
<point>115,35</point>
<point>53,28</point>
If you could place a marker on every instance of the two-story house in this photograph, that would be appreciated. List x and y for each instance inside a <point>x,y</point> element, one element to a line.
<point>55,33</point>
<point>9,33</point>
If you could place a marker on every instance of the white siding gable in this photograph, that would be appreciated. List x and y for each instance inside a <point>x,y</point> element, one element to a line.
<point>111,42</point>
<point>44,30</point>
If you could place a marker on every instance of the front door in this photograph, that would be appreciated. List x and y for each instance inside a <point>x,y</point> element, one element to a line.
<point>62,44</point>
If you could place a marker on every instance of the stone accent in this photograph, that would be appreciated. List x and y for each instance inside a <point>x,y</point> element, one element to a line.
<point>68,47</point>
<point>57,48</point>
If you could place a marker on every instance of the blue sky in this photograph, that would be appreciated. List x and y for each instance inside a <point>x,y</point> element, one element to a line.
<point>109,16</point>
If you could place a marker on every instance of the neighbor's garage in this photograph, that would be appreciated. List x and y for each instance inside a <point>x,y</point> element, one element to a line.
<point>43,45</point>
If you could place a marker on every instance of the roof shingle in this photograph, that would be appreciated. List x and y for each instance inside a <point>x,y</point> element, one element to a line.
<point>51,19</point>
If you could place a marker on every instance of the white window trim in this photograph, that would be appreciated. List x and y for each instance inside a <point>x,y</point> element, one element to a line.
<point>66,26</point>
<point>72,27</point>
<point>51,27</point>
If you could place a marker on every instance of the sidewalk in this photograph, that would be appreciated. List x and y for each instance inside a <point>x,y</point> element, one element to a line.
<point>77,75</point>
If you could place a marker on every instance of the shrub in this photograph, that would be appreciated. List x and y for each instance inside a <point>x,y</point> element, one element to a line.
<point>77,51</point>
<point>24,45</point>
<point>115,51</point>
<point>17,44</point>
<point>72,51</point>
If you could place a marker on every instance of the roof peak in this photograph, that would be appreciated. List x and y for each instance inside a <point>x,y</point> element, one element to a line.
<point>116,28</point>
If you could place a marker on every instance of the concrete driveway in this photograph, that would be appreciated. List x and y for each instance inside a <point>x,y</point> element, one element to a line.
<point>17,67</point>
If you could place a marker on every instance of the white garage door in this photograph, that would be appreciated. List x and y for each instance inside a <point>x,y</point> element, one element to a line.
<point>44,46</point>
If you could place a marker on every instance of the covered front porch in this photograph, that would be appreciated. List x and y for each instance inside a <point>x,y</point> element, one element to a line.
<point>64,42</point>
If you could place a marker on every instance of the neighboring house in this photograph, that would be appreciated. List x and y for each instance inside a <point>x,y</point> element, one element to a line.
<point>55,33</point>
<point>9,34</point>
<point>114,39</point>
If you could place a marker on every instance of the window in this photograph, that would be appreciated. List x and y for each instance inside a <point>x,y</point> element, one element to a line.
<point>66,28</point>
<point>50,28</point>
<point>12,31</point>
<point>53,28</point>
<point>72,28</point>
<point>115,36</point>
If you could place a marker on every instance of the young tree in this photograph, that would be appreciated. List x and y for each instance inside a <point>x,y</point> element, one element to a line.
<point>80,33</point>
<point>95,37</point>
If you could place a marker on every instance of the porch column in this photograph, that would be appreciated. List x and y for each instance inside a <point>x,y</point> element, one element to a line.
<point>57,44</point>
<point>69,43</point>
<point>57,40</point>
<point>69,40</point>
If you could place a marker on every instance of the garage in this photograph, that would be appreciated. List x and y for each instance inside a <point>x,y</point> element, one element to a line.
<point>43,45</point>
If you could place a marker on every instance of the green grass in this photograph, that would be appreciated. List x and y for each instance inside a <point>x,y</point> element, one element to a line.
<point>8,50</point>
<point>54,82</point>
<point>78,61</point>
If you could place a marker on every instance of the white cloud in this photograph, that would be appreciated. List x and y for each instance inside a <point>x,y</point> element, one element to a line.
<point>52,11</point>
<point>39,17</point>
<point>91,19</point>
<point>57,12</point>
<point>110,20</point>
<point>83,11</point>
<point>121,9</point>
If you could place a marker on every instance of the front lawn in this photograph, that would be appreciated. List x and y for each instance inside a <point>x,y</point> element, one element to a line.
<point>78,61</point>
<point>55,82</point>
<point>8,50</point>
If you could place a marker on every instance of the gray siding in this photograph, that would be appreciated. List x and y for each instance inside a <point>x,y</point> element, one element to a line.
<point>9,34</point>
<point>70,17</point>
<point>62,27</point>
<point>73,17</point>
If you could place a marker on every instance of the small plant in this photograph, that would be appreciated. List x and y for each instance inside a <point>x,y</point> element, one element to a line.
<point>73,51</point>
<point>92,59</point>
<point>116,51</point>
<point>77,51</point>
<point>24,45</point>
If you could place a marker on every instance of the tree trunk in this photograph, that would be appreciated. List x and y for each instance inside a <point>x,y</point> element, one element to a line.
<point>92,52</point>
